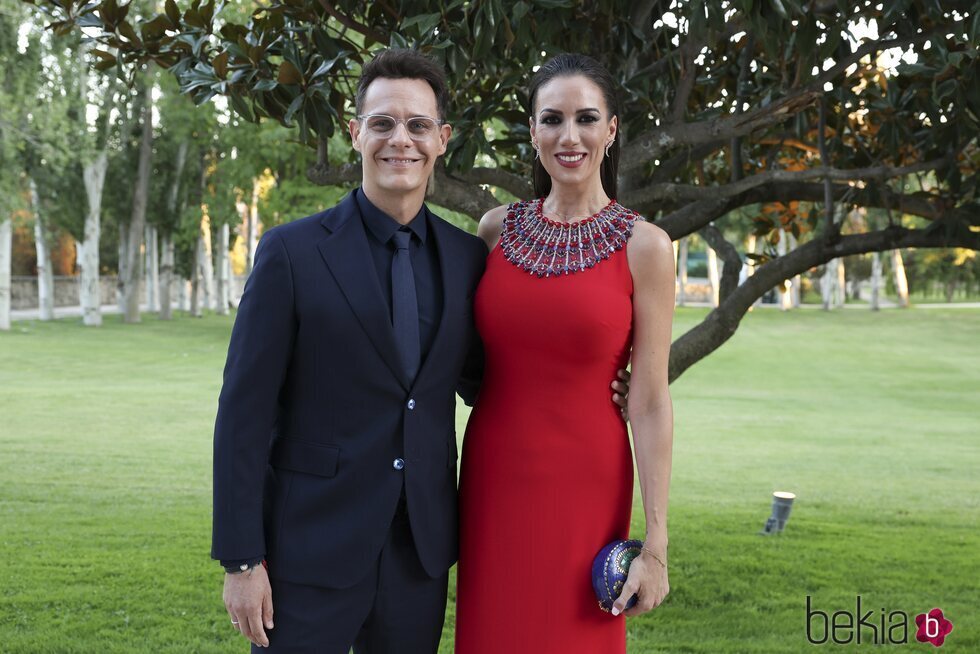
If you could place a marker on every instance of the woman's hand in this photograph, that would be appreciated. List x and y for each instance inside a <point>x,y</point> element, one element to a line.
<point>648,580</point>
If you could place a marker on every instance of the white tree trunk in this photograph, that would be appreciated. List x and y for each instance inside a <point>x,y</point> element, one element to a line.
<point>166,275</point>
<point>206,263</point>
<point>796,282</point>
<point>132,288</point>
<point>713,276</point>
<point>123,259</point>
<point>152,268</point>
<point>682,272</point>
<point>841,286</point>
<point>195,283</point>
<point>253,227</point>
<point>45,276</point>
<point>6,246</point>
<point>827,281</point>
<point>875,281</point>
<point>90,294</point>
<point>224,270</point>
<point>785,300</point>
<point>901,281</point>
<point>183,295</point>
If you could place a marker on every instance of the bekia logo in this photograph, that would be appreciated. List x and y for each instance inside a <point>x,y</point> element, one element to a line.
<point>886,628</point>
<point>933,627</point>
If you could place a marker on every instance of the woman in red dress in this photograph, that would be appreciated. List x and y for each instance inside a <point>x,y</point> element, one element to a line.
<point>576,285</point>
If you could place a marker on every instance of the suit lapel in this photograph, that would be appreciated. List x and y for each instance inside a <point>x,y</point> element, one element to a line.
<point>348,257</point>
<point>452,292</point>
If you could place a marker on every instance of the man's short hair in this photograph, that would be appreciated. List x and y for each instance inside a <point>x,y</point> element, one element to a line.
<point>403,63</point>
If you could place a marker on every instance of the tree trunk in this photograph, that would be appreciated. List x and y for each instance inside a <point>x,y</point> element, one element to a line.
<point>138,220</point>
<point>45,276</point>
<point>901,281</point>
<point>206,263</point>
<point>195,294</point>
<point>183,295</point>
<point>841,286</point>
<point>6,245</point>
<point>875,281</point>
<point>713,276</point>
<point>785,301</point>
<point>90,293</point>
<point>253,227</point>
<point>123,262</point>
<point>827,281</point>
<point>224,268</point>
<point>796,284</point>
<point>682,271</point>
<point>152,268</point>
<point>166,275</point>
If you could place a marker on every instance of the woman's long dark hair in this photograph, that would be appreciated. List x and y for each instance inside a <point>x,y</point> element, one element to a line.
<point>564,65</point>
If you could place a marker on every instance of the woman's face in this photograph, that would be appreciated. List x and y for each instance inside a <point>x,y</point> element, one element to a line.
<point>571,126</point>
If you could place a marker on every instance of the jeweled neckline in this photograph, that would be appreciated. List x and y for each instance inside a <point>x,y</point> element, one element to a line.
<point>547,248</point>
<point>539,209</point>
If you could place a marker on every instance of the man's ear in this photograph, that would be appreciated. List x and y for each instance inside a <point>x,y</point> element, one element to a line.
<point>445,133</point>
<point>354,128</point>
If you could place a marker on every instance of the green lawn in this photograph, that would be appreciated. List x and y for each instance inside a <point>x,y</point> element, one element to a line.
<point>871,419</point>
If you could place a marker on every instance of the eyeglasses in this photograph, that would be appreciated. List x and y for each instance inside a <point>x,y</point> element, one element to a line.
<point>419,128</point>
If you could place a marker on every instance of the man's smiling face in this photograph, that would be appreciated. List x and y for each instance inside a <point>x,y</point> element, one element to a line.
<point>397,163</point>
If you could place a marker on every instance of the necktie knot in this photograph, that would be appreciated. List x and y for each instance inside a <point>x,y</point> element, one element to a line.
<point>402,238</point>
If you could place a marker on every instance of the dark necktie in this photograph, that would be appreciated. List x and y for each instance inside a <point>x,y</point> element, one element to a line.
<point>405,304</point>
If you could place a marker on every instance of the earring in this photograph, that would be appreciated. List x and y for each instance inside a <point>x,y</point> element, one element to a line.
<point>609,145</point>
<point>537,152</point>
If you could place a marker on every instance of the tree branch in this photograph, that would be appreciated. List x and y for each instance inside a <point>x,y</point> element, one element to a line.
<point>694,192</point>
<point>460,195</point>
<point>655,142</point>
<point>517,185</point>
<point>352,24</point>
<point>733,262</point>
<point>719,325</point>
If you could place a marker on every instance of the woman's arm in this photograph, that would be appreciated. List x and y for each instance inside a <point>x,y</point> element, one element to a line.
<point>651,261</point>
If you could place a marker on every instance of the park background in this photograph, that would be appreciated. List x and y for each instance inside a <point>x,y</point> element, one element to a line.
<point>815,163</point>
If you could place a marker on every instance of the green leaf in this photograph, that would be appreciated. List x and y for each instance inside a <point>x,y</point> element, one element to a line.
<point>173,13</point>
<point>327,66</point>
<point>241,107</point>
<point>265,85</point>
<point>294,106</point>
<point>425,22</point>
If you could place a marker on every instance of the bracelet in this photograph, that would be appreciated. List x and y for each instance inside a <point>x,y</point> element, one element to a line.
<point>656,558</point>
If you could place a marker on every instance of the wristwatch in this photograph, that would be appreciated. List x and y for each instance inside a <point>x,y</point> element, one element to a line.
<point>238,567</point>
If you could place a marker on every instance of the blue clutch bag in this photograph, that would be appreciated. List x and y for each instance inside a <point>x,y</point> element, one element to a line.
<point>609,570</point>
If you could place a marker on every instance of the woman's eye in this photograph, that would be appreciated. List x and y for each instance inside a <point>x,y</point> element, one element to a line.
<point>550,120</point>
<point>588,119</point>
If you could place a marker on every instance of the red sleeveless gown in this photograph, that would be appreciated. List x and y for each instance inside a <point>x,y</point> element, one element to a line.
<point>546,476</point>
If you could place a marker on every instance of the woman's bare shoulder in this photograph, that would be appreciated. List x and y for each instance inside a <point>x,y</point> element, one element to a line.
<point>649,249</point>
<point>492,225</point>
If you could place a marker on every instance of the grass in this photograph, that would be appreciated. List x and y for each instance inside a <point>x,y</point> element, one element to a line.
<point>871,419</point>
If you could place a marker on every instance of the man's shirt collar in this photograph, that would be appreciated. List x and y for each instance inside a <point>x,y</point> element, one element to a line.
<point>383,226</point>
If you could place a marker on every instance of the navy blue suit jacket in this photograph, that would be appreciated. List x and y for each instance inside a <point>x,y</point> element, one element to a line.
<point>314,408</point>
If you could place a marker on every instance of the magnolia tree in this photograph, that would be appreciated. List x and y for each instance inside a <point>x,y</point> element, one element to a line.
<point>800,111</point>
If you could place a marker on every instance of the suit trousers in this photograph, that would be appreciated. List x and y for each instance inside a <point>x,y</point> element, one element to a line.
<point>396,609</point>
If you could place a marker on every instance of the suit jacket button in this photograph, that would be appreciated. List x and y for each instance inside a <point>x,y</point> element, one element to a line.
<point>411,404</point>
<point>398,464</point>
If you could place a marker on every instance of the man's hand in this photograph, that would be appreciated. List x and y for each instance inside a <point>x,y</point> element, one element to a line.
<point>620,391</point>
<point>248,598</point>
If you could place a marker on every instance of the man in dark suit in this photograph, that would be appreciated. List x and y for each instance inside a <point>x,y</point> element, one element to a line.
<point>334,448</point>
